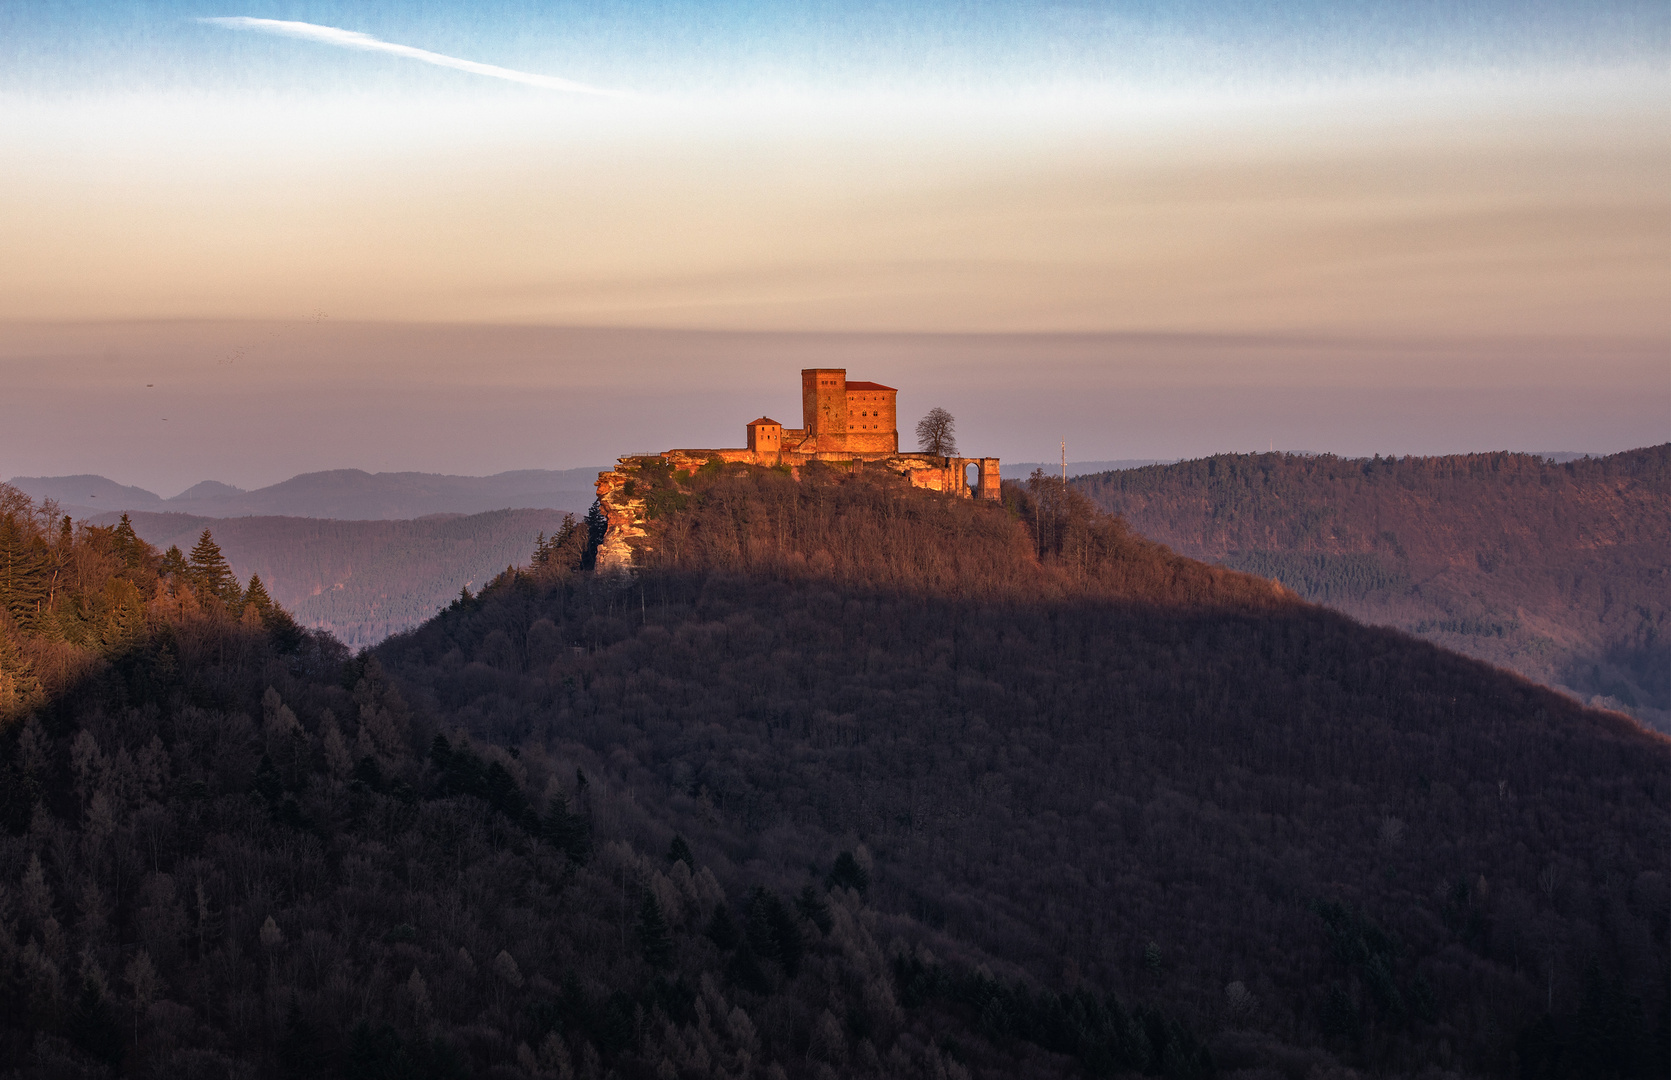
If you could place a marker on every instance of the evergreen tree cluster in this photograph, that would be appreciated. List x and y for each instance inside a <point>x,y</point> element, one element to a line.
<point>74,595</point>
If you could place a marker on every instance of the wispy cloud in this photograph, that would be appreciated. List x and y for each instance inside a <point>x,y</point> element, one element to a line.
<point>353,39</point>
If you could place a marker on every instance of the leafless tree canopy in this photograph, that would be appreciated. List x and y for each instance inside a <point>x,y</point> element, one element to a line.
<point>936,433</point>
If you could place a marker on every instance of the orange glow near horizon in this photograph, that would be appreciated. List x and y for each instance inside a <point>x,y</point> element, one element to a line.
<point>1537,210</point>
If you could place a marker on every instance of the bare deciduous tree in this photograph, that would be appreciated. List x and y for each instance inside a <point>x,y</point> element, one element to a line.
<point>935,433</point>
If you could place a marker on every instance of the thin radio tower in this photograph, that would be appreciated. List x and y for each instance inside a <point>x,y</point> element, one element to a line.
<point>1064,463</point>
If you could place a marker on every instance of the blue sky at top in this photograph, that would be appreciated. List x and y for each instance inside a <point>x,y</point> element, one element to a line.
<point>980,47</point>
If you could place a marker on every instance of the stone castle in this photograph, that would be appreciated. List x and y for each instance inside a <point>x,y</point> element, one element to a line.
<point>841,422</point>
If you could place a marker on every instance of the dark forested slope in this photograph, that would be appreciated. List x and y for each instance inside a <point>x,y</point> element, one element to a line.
<point>229,850</point>
<point>850,779</point>
<point>1079,757</point>
<point>1557,571</point>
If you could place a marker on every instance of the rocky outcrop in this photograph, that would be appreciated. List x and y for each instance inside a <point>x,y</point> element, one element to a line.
<point>622,490</point>
<point>621,500</point>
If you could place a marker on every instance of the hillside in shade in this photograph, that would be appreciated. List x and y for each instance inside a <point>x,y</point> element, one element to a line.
<point>1080,758</point>
<point>847,779</point>
<point>361,580</point>
<point>1556,570</point>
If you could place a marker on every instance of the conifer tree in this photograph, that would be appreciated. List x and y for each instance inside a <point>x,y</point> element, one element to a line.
<point>128,546</point>
<point>23,569</point>
<point>210,575</point>
<point>256,595</point>
<point>18,685</point>
<point>653,933</point>
<point>174,564</point>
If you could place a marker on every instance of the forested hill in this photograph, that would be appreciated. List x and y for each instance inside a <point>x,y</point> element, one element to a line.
<point>362,580</point>
<point>849,779</point>
<point>1092,765</point>
<point>1557,571</point>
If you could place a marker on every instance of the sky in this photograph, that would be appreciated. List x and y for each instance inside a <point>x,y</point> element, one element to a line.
<point>474,237</point>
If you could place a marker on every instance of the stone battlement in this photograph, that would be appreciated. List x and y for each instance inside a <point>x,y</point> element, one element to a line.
<point>841,421</point>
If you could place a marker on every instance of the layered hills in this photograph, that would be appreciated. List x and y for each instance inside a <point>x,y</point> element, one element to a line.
<point>349,494</point>
<point>1556,570</point>
<point>360,580</point>
<point>845,779</point>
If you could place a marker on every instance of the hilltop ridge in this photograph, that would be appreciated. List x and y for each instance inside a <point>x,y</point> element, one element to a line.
<point>1552,569</point>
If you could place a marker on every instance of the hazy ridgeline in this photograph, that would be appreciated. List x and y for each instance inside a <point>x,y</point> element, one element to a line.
<point>1554,570</point>
<point>346,494</point>
<point>363,580</point>
<point>1103,809</point>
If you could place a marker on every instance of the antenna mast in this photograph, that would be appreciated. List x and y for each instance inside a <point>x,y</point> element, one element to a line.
<point>1064,463</point>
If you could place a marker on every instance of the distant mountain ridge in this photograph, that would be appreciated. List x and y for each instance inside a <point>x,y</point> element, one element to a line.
<point>360,580</point>
<point>1021,470</point>
<point>343,494</point>
<point>1555,569</point>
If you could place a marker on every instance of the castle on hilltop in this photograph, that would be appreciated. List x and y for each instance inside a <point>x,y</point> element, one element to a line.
<point>838,417</point>
<point>841,422</point>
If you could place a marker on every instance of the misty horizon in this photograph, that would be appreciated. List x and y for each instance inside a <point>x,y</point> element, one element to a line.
<point>142,402</point>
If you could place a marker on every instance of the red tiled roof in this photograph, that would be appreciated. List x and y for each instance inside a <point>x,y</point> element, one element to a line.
<point>762,420</point>
<point>871,386</point>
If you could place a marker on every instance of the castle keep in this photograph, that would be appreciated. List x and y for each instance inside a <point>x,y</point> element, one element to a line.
<point>841,422</point>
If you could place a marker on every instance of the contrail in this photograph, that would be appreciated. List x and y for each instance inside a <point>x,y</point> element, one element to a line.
<point>353,39</point>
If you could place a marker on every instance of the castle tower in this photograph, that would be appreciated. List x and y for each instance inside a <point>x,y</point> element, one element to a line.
<point>824,408</point>
<point>844,417</point>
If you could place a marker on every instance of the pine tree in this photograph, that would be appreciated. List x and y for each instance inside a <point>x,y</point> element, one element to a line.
<point>210,575</point>
<point>19,688</point>
<point>123,622</point>
<point>135,553</point>
<point>23,570</point>
<point>279,623</point>
<point>256,595</point>
<point>125,538</point>
<point>174,564</point>
<point>653,933</point>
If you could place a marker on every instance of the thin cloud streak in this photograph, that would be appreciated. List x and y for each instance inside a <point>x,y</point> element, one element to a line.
<point>354,39</point>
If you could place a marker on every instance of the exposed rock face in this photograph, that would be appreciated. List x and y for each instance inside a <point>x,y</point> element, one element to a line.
<point>624,509</point>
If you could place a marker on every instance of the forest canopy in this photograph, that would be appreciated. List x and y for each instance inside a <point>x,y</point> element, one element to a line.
<point>1554,570</point>
<point>846,779</point>
<point>73,596</point>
